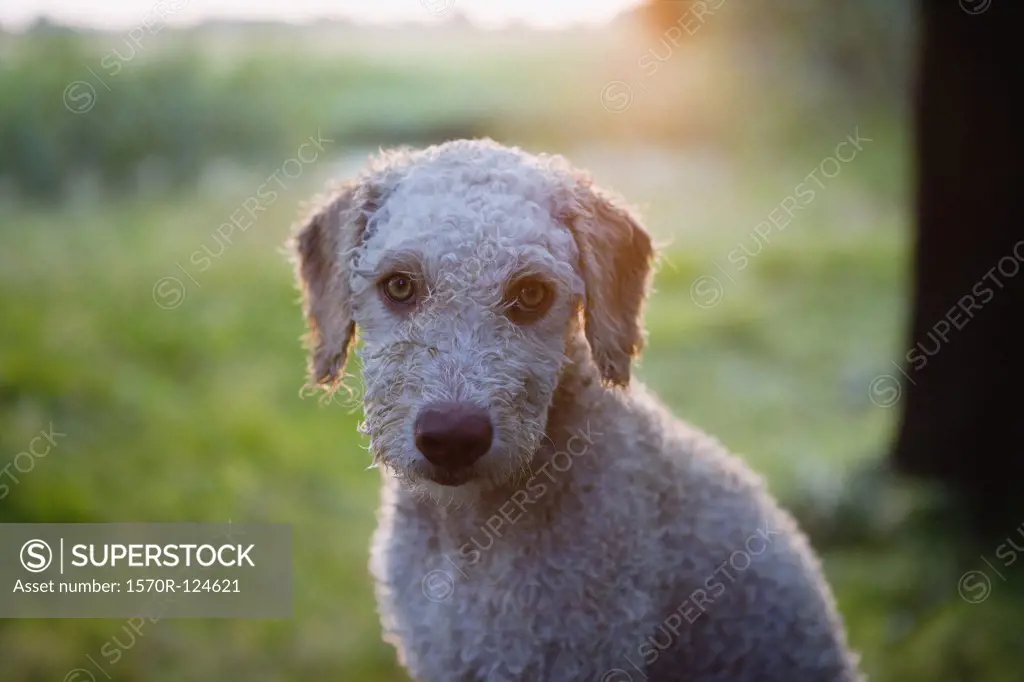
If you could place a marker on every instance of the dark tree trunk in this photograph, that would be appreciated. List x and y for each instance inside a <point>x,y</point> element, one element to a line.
<point>963,419</point>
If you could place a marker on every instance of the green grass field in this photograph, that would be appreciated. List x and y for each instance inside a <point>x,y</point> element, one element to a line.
<point>195,413</point>
<point>185,404</point>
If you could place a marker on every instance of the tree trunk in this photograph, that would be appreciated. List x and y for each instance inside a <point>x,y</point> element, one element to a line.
<point>963,418</point>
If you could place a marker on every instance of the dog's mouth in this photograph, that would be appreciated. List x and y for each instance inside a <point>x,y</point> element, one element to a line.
<point>449,477</point>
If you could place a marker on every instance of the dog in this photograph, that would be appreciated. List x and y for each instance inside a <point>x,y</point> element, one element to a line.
<point>543,516</point>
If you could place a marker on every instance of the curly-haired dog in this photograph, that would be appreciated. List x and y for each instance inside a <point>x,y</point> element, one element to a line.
<point>542,517</point>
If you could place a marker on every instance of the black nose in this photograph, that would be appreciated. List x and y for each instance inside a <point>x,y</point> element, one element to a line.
<point>453,435</point>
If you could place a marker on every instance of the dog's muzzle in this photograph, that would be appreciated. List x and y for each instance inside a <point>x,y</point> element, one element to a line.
<point>452,436</point>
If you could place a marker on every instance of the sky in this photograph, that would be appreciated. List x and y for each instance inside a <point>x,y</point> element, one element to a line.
<point>113,14</point>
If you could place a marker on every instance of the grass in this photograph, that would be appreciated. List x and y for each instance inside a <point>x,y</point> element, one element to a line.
<point>191,413</point>
<point>194,412</point>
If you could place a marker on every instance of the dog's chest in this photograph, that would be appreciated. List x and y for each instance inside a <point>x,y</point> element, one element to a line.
<point>528,603</point>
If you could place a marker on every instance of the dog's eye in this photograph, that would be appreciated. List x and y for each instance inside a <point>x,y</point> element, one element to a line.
<point>399,288</point>
<point>528,300</point>
<point>531,295</point>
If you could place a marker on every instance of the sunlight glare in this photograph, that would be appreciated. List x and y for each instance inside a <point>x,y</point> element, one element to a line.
<point>110,14</point>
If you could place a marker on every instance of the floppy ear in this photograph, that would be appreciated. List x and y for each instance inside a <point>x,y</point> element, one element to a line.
<point>322,247</point>
<point>615,255</point>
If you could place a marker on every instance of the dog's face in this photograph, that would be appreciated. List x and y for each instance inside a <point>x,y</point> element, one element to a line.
<point>464,298</point>
<point>467,268</point>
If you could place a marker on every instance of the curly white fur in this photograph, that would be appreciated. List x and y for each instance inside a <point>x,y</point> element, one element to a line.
<point>599,538</point>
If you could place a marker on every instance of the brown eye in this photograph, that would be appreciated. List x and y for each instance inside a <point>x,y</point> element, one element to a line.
<point>399,288</point>
<point>531,295</point>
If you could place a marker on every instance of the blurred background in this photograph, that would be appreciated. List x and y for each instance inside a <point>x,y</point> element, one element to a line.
<point>152,158</point>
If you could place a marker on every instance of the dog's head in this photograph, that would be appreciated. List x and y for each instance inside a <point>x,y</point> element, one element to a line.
<point>468,268</point>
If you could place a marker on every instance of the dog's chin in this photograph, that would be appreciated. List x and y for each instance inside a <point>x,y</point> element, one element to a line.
<point>443,486</point>
<point>444,491</point>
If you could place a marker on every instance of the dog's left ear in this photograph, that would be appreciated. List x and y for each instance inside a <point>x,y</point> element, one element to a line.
<point>615,254</point>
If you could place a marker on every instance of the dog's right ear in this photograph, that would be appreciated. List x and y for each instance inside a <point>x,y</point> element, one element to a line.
<point>322,247</point>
